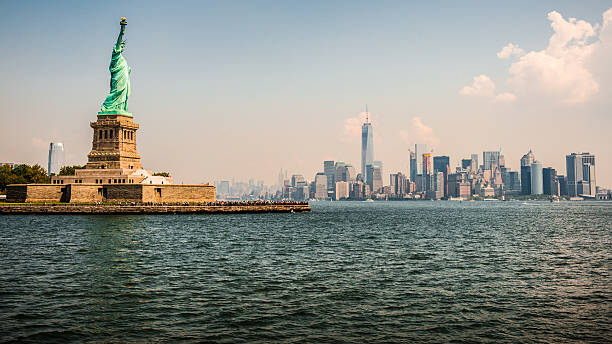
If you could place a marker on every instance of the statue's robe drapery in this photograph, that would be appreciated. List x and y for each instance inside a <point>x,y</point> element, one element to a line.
<point>117,100</point>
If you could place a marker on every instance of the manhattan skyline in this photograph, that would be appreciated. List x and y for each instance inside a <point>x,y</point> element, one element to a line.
<point>272,85</point>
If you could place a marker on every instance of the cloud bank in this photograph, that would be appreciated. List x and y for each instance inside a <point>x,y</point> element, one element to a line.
<point>562,72</point>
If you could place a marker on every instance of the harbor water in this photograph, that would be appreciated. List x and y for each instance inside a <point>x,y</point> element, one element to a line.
<point>347,272</point>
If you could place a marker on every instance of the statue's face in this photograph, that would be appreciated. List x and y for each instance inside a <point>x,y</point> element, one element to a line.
<point>122,45</point>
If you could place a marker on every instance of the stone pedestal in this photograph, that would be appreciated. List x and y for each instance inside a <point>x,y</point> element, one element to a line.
<point>114,143</point>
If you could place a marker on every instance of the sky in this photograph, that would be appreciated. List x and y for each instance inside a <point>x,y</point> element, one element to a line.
<point>239,89</point>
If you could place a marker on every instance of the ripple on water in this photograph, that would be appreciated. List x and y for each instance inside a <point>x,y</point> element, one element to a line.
<point>347,272</point>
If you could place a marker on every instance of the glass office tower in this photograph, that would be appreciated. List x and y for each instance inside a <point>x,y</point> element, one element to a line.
<point>367,149</point>
<point>56,158</point>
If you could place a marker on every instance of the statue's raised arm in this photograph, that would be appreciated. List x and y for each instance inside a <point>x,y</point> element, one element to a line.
<point>117,100</point>
<point>120,43</point>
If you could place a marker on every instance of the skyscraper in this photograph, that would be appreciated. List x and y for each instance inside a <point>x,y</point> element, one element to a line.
<point>350,173</point>
<point>512,182</point>
<point>413,165</point>
<point>580,174</point>
<point>528,159</point>
<point>551,186</point>
<point>562,185</point>
<point>329,168</point>
<point>374,176</point>
<point>367,149</point>
<point>427,164</point>
<point>398,184</point>
<point>475,164</point>
<point>342,190</point>
<point>490,159</point>
<point>537,180</point>
<point>440,163</point>
<point>298,180</point>
<point>340,171</point>
<point>526,162</point>
<point>320,186</point>
<point>419,150</point>
<point>56,158</point>
<point>526,180</point>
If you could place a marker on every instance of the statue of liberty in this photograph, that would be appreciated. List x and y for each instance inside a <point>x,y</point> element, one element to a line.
<point>117,100</point>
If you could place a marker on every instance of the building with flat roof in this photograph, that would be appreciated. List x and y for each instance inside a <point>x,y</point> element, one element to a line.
<point>580,174</point>
<point>537,180</point>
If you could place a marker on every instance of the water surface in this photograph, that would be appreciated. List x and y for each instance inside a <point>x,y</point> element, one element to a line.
<point>350,272</point>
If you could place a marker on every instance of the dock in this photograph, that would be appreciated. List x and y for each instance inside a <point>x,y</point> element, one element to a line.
<point>153,209</point>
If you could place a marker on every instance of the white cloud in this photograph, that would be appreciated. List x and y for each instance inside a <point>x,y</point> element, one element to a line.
<point>571,69</point>
<point>509,51</point>
<point>483,86</point>
<point>419,132</point>
<point>599,63</point>
<point>559,70</point>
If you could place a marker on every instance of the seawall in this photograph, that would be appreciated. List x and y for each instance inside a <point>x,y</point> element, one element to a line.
<point>150,209</point>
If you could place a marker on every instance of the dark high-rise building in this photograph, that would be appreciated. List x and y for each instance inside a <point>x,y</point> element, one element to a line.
<point>526,180</point>
<point>512,182</point>
<point>562,185</point>
<point>329,168</point>
<point>580,174</point>
<point>440,163</point>
<point>413,166</point>
<point>550,183</point>
<point>466,164</point>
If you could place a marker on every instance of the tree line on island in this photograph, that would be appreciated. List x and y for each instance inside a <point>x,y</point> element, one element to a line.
<point>22,174</point>
<point>36,174</point>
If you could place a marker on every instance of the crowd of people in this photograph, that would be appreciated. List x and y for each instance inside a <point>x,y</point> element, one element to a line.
<point>216,203</point>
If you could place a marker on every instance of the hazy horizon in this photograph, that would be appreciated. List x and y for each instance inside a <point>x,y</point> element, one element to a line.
<point>242,89</point>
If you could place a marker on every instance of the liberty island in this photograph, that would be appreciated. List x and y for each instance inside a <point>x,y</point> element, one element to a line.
<point>114,173</point>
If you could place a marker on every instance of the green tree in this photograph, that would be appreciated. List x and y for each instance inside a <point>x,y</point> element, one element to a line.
<point>162,174</point>
<point>22,174</point>
<point>69,170</point>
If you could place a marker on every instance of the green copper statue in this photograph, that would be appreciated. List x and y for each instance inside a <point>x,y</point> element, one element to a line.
<point>117,100</point>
